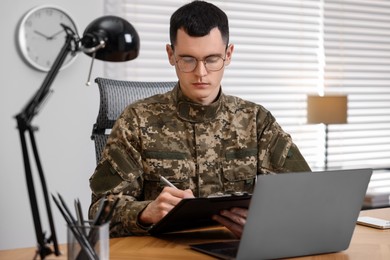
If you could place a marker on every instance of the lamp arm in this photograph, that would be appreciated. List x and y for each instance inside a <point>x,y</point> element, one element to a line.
<point>24,119</point>
<point>31,108</point>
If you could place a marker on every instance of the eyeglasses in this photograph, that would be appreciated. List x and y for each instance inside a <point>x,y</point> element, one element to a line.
<point>211,63</point>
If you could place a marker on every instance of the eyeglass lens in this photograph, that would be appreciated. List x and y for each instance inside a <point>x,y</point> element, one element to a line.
<point>212,63</point>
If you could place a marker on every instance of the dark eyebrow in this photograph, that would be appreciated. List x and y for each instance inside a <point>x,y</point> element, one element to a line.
<point>205,57</point>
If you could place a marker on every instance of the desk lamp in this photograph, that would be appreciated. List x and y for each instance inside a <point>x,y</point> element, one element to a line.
<point>326,110</point>
<point>108,38</point>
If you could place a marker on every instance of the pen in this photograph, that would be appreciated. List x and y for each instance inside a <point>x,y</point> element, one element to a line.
<point>164,180</point>
<point>101,212</point>
<point>79,214</point>
<point>81,238</point>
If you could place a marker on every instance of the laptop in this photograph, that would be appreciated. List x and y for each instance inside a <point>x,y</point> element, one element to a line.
<point>298,214</point>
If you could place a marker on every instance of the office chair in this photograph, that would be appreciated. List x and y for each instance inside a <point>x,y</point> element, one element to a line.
<point>115,95</point>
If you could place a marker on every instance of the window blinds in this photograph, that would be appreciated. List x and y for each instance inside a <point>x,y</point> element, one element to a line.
<point>285,50</point>
<point>357,51</point>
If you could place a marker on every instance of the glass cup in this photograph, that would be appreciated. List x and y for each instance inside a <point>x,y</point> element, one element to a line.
<point>86,242</point>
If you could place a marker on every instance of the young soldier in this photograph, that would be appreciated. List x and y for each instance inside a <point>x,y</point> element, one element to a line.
<point>200,139</point>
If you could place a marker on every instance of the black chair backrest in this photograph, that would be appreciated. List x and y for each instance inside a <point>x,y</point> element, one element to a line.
<point>115,96</point>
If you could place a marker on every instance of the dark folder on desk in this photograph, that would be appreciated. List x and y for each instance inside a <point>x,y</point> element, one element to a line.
<point>298,214</point>
<point>197,212</point>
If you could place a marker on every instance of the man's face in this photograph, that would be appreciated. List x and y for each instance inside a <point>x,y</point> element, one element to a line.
<point>200,85</point>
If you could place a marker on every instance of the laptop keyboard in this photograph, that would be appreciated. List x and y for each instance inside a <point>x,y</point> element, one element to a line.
<point>221,249</point>
<point>228,251</point>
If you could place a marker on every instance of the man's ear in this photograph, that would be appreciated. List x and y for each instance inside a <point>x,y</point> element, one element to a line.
<point>229,53</point>
<point>171,56</point>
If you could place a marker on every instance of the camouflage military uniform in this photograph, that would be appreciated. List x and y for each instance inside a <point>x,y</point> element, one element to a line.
<point>208,149</point>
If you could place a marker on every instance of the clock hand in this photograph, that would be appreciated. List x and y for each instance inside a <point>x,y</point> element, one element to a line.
<point>41,34</point>
<point>54,35</point>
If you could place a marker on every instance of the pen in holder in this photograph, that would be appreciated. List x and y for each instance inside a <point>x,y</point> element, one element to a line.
<point>88,240</point>
<point>96,235</point>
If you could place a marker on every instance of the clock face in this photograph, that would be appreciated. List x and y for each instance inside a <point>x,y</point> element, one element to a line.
<point>41,36</point>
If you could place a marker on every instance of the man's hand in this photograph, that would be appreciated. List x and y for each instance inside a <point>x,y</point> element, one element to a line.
<point>233,219</point>
<point>157,209</point>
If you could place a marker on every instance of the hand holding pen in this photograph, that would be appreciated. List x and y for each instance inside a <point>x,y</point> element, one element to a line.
<point>187,193</point>
<point>165,202</point>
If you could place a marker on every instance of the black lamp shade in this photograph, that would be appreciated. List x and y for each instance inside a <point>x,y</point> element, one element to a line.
<point>122,42</point>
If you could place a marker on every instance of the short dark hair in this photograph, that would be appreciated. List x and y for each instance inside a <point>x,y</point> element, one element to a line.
<point>197,19</point>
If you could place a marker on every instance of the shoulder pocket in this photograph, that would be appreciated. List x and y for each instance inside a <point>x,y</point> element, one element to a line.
<point>104,179</point>
<point>116,168</point>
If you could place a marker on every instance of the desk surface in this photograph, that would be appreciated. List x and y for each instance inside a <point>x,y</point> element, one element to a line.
<point>367,243</point>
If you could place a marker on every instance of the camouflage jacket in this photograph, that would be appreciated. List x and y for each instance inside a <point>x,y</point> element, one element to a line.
<point>208,149</point>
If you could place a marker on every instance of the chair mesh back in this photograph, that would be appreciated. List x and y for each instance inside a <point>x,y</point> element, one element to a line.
<point>115,96</point>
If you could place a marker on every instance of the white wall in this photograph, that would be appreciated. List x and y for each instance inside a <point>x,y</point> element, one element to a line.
<point>63,138</point>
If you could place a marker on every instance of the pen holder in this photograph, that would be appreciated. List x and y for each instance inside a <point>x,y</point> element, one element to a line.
<point>87,242</point>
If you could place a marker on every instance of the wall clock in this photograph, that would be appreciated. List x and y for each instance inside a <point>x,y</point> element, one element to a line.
<point>40,36</point>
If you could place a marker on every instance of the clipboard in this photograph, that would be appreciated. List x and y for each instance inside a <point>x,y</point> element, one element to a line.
<point>193,213</point>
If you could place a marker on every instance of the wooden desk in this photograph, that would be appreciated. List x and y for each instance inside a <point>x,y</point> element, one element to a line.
<point>367,243</point>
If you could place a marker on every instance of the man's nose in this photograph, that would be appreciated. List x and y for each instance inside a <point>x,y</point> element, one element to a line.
<point>200,69</point>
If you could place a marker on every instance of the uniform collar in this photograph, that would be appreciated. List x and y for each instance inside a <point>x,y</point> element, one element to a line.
<point>193,112</point>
